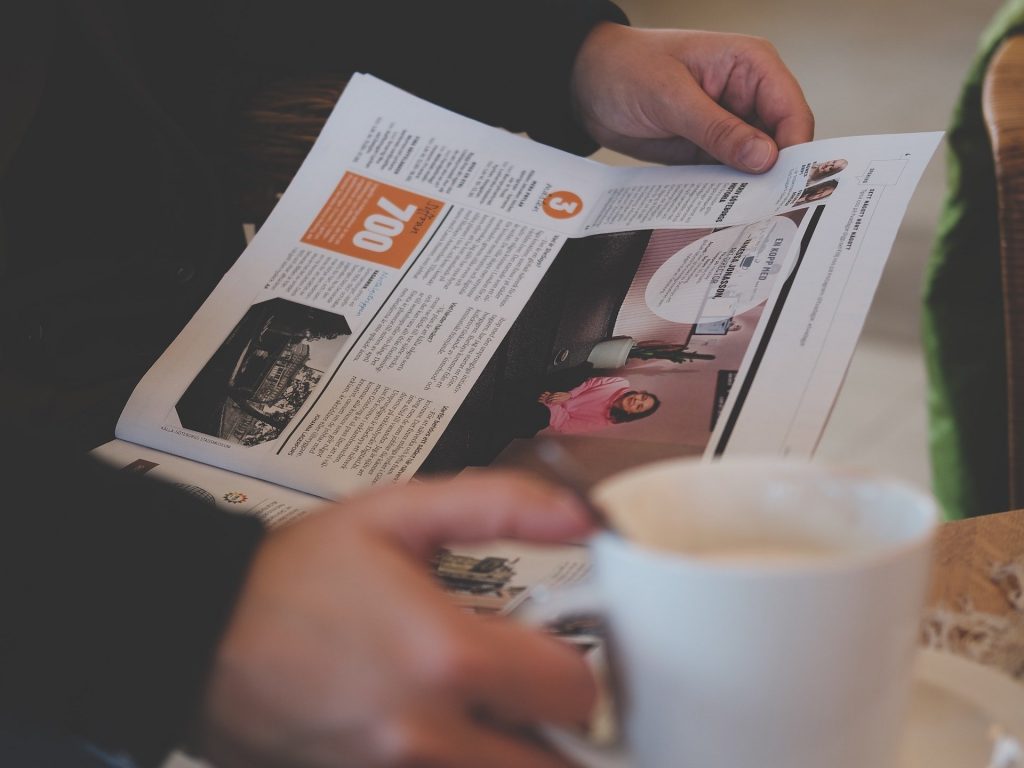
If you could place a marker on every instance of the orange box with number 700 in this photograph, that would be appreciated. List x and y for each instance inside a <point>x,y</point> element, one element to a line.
<point>370,220</point>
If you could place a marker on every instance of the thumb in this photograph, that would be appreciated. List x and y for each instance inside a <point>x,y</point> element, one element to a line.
<point>477,507</point>
<point>720,133</point>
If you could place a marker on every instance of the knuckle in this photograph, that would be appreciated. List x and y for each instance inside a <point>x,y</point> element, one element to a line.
<point>759,44</point>
<point>453,665</point>
<point>406,743</point>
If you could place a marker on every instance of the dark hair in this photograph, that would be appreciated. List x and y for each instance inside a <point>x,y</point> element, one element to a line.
<point>619,416</point>
<point>810,193</point>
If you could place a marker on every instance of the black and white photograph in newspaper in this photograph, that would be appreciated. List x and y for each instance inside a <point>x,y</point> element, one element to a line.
<point>495,578</point>
<point>263,372</point>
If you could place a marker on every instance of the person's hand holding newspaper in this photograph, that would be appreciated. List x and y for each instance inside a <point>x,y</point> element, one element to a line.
<point>680,96</point>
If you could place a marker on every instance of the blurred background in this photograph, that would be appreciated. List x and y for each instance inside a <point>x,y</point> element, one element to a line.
<point>873,66</point>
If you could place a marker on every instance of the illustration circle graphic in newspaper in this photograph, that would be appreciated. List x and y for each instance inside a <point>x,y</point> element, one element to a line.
<point>562,204</point>
<point>724,274</point>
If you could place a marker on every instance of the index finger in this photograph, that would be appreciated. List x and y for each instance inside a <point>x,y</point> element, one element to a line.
<point>483,506</point>
<point>781,105</point>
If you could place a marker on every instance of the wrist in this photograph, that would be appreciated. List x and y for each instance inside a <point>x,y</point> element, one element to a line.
<point>586,70</point>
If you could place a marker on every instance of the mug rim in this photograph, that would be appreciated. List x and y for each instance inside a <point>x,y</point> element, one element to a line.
<point>839,561</point>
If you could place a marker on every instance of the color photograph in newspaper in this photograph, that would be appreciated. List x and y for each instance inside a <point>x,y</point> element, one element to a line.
<point>629,348</point>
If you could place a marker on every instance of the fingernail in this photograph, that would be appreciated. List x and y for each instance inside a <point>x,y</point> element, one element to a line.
<point>756,154</point>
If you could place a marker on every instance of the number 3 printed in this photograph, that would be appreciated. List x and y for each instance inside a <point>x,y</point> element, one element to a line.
<point>562,204</point>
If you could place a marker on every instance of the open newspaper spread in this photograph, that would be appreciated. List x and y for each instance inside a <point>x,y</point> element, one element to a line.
<point>433,293</point>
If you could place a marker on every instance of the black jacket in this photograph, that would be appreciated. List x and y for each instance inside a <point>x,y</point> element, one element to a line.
<point>116,220</point>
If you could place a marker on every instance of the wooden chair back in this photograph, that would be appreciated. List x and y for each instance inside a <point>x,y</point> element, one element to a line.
<point>276,133</point>
<point>1003,106</point>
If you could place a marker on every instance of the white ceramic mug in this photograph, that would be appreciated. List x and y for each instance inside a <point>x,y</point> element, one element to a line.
<point>761,614</point>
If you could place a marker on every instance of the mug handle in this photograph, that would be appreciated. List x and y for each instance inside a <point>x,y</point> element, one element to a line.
<point>547,605</point>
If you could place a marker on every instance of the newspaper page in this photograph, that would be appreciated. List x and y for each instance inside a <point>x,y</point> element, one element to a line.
<point>432,293</point>
<point>228,491</point>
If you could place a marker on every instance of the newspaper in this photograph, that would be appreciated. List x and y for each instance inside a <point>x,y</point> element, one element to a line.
<point>432,293</point>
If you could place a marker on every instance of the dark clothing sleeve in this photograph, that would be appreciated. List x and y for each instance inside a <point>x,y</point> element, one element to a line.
<point>507,64</point>
<point>114,592</point>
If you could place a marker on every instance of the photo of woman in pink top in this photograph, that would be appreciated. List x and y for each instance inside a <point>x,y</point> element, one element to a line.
<point>598,402</point>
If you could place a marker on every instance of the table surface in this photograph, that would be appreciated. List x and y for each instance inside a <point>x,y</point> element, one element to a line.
<point>976,604</point>
<point>966,553</point>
